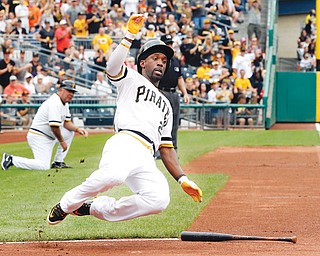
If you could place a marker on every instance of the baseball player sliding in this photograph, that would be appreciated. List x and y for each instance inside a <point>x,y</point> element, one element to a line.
<point>51,124</point>
<point>143,123</point>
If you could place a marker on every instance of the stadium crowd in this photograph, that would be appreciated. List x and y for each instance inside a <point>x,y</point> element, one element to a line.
<point>306,44</point>
<point>76,37</point>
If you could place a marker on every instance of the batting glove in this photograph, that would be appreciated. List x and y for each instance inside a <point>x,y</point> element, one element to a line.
<point>134,25</point>
<point>191,188</point>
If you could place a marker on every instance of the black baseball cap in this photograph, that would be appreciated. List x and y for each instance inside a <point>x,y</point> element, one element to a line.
<point>167,39</point>
<point>69,85</point>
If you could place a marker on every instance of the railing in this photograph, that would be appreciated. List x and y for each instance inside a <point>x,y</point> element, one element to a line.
<point>192,116</point>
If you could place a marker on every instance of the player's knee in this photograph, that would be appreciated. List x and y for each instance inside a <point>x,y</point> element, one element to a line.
<point>159,202</point>
<point>43,166</point>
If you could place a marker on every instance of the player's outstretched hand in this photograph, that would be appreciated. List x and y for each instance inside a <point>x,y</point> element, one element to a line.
<point>191,188</point>
<point>135,23</point>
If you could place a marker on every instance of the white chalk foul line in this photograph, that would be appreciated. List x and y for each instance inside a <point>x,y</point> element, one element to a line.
<point>94,241</point>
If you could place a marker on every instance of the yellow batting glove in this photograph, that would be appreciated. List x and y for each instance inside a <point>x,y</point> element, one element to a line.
<point>191,188</point>
<point>135,23</point>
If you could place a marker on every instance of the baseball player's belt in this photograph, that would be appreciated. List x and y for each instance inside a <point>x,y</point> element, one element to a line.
<point>168,89</point>
<point>149,144</point>
<point>38,132</point>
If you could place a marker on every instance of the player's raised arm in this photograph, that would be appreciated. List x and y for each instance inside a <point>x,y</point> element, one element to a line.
<point>118,56</point>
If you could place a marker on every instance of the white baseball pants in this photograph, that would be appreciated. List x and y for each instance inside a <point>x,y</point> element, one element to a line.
<point>42,148</point>
<point>124,160</point>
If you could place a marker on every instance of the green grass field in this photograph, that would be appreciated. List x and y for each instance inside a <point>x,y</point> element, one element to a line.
<point>27,196</point>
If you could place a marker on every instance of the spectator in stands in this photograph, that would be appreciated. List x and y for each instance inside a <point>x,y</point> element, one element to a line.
<point>191,49</point>
<point>198,13</point>
<point>41,88</point>
<point>7,68</point>
<point>113,12</point>
<point>56,12</point>
<point>243,61</point>
<point>46,38</point>
<point>207,51</point>
<point>94,20</point>
<point>204,70</point>
<point>34,63</point>
<point>129,6</point>
<point>191,87</point>
<point>9,115</point>
<point>120,15</point>
<point>306,63</point>
<point>18,31</point>
<point>101,88</point>
<point>61,78</point>
<point>24,112</point>
<point>22,65</point>
<point>64,5</point>
<point>258,62</point>
<point>254,45</point>
<point>227,8</point>
<point>150,33</point>
<point>254,19</point>
<point>257,83</point>
<point>303,36</point>
<point>225,94</point>
<point>130,62</point>
<point>226,46</point>
<point>183,22</point>
<point>172,23</point>
<point>100,61</point>
<point>310,27</point>
<point>29,84</point>
<point>3,23</point>
<point>72,13</point>
<point>14,88</point>
<point>212,93</point>
<point>187,11</point>
<point>63,36</point>
<point>161,26</point>
<point>235,50</point>
<point>46,77</point>
<point>202,93</point>
<point>311,16</point>
<point>80,26</point>
<point>150,20</point>
<point>211,7</point>
<point>48,14</point>
<point>205,31</point>
<point>216,72</point>
<point>242,113</point>
<point>22,13</point>
<point>34,15</point>
<point>4,7</point>
<point>102,41</point>
<point>243,85</point>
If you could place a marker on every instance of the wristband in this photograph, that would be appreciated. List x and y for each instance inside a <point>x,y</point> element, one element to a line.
<point>77,129</point>
<point>130,35</point>
<point>180,178</point>
<point>125,43</point>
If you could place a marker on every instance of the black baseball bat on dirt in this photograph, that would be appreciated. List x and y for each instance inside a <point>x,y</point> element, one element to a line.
<point>218,237</point>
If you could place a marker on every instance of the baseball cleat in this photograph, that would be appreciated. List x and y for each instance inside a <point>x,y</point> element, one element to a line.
<point>6,161</point>
<point>59,165</point>
<point>56,215</point>
<point>84,209</point>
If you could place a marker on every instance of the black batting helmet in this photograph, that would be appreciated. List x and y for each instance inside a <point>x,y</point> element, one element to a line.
<point>154,46</point>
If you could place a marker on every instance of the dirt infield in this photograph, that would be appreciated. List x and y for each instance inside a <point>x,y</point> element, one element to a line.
<point>272,191</point>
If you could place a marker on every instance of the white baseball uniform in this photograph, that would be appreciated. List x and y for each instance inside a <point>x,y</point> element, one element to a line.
<point>40,138</point>
<point>143,122</point>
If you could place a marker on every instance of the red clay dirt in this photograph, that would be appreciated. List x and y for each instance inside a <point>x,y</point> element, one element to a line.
<point>272,191</point>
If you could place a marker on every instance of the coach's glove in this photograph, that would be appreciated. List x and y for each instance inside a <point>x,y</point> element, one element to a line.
<point>134,25</point>
<point>191,188</point>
